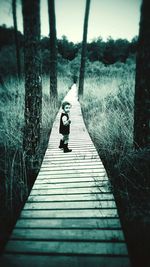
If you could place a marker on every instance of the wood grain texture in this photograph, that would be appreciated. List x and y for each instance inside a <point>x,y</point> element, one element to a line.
<point>70,217</point>
<point>24,260</point>
<point>64,223</point>
<point>67,247</point>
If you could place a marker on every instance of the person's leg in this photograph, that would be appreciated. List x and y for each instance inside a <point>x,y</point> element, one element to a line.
<point>61,145</point>
<point>66,140</point>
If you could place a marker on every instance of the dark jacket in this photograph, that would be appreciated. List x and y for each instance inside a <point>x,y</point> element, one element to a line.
<point>64,129</point>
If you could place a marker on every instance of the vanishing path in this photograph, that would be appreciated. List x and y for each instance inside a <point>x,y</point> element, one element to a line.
<point>70,218</point>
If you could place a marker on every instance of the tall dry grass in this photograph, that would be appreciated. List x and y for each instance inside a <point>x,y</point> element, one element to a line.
<point>14,183</point>
<point>108,110</point>
<point>107,107</point>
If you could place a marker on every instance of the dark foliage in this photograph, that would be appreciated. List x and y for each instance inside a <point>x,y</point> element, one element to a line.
<point>68,50</point>
<point>7,36</point>
<point>107,52</point>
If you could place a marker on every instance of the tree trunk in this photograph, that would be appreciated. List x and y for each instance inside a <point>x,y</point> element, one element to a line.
<point>84,48</point>
<point>53,51</point>
<point>16,39</point>
<point>33,81</point>
<point>142,83</point>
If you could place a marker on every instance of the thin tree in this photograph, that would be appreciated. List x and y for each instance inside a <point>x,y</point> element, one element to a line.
<point>84,48</point>
<point>53,51</point>
<point>33,84</point>
<point>142,83</point>
<point>16,38</point>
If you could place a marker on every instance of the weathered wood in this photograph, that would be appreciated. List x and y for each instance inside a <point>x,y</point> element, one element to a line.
<point>24,260</point>
<point>70,185</point>
<point>74,153</point>
<point>71,157</point>
<point>70,205</point>
<point>66,247</point>
<point>71,162</point>
<point>75,223</point>
<point>58,164</point>
<point>66,172</point>
<point>70,215</point>
<point>66,191</point>
<point>74,168</point>
<point>75,197</point>
<point>85,145</point>
<point>68,234</point>
<point>52,181</point>
<point>88,213</point>
<point>95,176</point>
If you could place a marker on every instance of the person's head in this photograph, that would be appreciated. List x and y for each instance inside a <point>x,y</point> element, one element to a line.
<point>66,106</point>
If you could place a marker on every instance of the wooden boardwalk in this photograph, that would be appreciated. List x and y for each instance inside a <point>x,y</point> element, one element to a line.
<point>70,218</point>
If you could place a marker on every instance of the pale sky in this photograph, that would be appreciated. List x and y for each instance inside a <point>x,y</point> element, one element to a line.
<point>115,18</point>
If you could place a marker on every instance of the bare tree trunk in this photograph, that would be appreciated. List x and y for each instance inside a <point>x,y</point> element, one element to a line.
<point>33,83</point>
<point>16,39</point>
<point>84,49</point>
<point>142,85</point>
<point>53,51</point>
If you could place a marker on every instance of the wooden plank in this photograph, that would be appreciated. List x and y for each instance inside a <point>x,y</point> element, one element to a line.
<point>65,180</point>
<point>74,144</point>
<point>72,186</point>
<point>74,168</point>
<point>83,144</point>
<point>68,234</point>
<point>74,153</point>
<point>72,162</point>
<point>73,157</point>
<point>85,184</point>
<point>71,205</point>
<point>75,150</point>
<point>46,247</point>
<point>85,171</point>
<point>81,140</point>
<point>79,213</point>
<point>52,164</point>
<point>66,191</point>
<point>76,223</point>
<point>95,176</point>
<point>69,181</point>
<point>65,156</point>
<point>24,260</point>
<point>75,197</point>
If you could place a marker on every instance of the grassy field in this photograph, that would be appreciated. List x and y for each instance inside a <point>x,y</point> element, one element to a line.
<point>108,106</point>
<point>108,111</point>
<point>15,185</point>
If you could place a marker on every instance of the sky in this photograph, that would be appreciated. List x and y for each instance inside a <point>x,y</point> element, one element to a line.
<point>115,18</point>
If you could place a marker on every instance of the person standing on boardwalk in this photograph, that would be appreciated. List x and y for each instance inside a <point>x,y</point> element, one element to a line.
<point>64,127</point>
